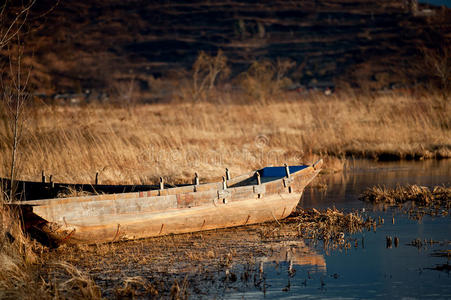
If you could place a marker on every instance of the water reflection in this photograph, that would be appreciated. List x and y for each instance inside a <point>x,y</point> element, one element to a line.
<point>375,270</point>
<point>343,189</point>
<point>265,261</point>
<point>297,253</point>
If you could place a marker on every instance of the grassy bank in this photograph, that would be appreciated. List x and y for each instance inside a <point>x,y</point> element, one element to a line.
<point>139,143</point>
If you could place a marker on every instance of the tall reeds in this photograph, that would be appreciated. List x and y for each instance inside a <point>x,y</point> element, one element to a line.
<point>16,254</point>
<point>140,143</point>
<point>420,195</point>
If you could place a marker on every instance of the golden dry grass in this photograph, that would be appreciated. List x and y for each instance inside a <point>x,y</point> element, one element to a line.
<point>16,255</point>
<point>25,274</point>
<point>139,143</point>
<point>421,195</point>
<point>414,200</point>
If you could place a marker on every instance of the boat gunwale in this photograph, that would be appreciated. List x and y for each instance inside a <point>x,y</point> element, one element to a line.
<point>134,195</point>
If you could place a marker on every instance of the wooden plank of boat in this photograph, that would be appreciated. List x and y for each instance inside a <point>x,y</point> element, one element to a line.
<point>266,195</point>
<point>32,190</point>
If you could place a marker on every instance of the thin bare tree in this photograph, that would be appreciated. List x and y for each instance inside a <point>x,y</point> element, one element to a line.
<point>206,70</point>
<point>15,97</point>
<point>14,94</point>
<point>10,26</point>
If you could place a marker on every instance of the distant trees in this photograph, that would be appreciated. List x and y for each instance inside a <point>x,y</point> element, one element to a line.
<point>437,62</point>
<point>266,78</point>
<point>206,70</point>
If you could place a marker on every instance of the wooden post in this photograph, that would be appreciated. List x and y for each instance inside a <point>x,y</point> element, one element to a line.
<point>389,241</point>
<point>287,170</point>
<point>224,183</point>
<point>51,181</point>
<point>97,178</point>
<point>227,174</point>
<point>161,183</point>
<point>259,181</point>
<point>43,176</point>
<point>196,179</point>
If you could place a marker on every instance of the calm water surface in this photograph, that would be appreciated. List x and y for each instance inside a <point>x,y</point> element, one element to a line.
<point>369,269</point>
<point>446,3</point>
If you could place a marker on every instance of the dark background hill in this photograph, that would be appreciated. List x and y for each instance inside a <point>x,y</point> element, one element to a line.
<point>79,45</point>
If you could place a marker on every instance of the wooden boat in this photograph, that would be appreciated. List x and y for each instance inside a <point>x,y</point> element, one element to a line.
<point>265,195</point>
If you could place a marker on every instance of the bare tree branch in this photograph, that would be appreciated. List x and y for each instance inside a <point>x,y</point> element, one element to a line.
<point>206,70</point>
<point>15,96</point>
<point>10,31</point>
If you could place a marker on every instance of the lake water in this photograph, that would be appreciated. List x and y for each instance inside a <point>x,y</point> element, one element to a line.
<point>368,269</point>
<point>446,3</point>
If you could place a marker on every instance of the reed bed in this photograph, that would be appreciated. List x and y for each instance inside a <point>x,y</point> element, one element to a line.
<point>329,226</point>
<point>141,142</point>
<point>414,200</point>
<point>420,195</point>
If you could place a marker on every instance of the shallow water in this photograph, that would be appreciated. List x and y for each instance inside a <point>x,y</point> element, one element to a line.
<point>368,269</point>
<point>446,3</point>
<point>272,260</point>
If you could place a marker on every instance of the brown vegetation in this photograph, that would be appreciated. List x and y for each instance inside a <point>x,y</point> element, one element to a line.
<point>416,201</point>
<point>329,225</point>
<point>420,195</point>
<point>97,45</point>
<point>26,274</point>
<point>140,143</point>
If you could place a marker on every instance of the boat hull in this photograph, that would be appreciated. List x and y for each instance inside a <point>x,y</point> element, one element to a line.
<point>175,221</point>
<point>126,216</point>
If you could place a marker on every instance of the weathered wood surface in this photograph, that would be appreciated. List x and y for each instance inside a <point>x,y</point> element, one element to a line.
<point>32,190</point>
<point>109,228</point>
<point>114,217</point>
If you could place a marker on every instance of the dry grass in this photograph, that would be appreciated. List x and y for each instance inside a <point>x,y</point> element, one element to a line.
<point>416,201</point>
<point>17,259</point>
<point>26,275</point>
<point>329,225</point>
<point>138,144</point>
<point>134,285</point>
<point>420,195</point>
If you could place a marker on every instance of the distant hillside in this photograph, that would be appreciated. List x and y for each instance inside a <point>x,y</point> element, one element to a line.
<point>81,45</point>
